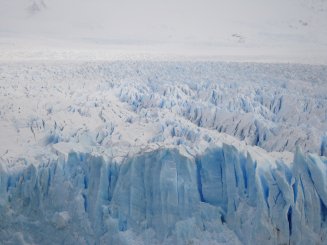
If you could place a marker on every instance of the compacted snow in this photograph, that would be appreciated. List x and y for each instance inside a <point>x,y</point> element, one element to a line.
<point>162,152</point>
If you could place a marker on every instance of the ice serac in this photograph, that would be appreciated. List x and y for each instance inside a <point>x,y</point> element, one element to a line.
<point>99,104</point>
<point>223,196</point>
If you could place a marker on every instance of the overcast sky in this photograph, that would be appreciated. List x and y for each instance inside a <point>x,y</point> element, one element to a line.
<point>265,24</point>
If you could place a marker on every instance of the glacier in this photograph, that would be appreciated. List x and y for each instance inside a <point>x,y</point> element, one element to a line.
<point>273,106</point>
<point>168,122</point>
<point>222,196</point>
<point>162,152</point>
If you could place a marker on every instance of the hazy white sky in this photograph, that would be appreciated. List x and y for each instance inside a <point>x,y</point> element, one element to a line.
<point>264,24</point>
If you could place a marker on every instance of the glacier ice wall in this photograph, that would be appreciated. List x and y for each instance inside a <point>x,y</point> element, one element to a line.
<point>222,196</point>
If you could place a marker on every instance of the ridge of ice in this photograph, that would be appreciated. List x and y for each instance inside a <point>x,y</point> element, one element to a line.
<point>99,106</point>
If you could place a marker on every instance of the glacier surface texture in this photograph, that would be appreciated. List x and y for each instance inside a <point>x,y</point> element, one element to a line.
<point>135,152</point>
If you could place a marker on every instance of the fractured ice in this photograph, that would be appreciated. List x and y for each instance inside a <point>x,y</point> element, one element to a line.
<point>163,153</point>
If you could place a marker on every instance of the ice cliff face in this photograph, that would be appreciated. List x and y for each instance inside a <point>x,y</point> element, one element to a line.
<point>166,197</point>
<point>162,153</point>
